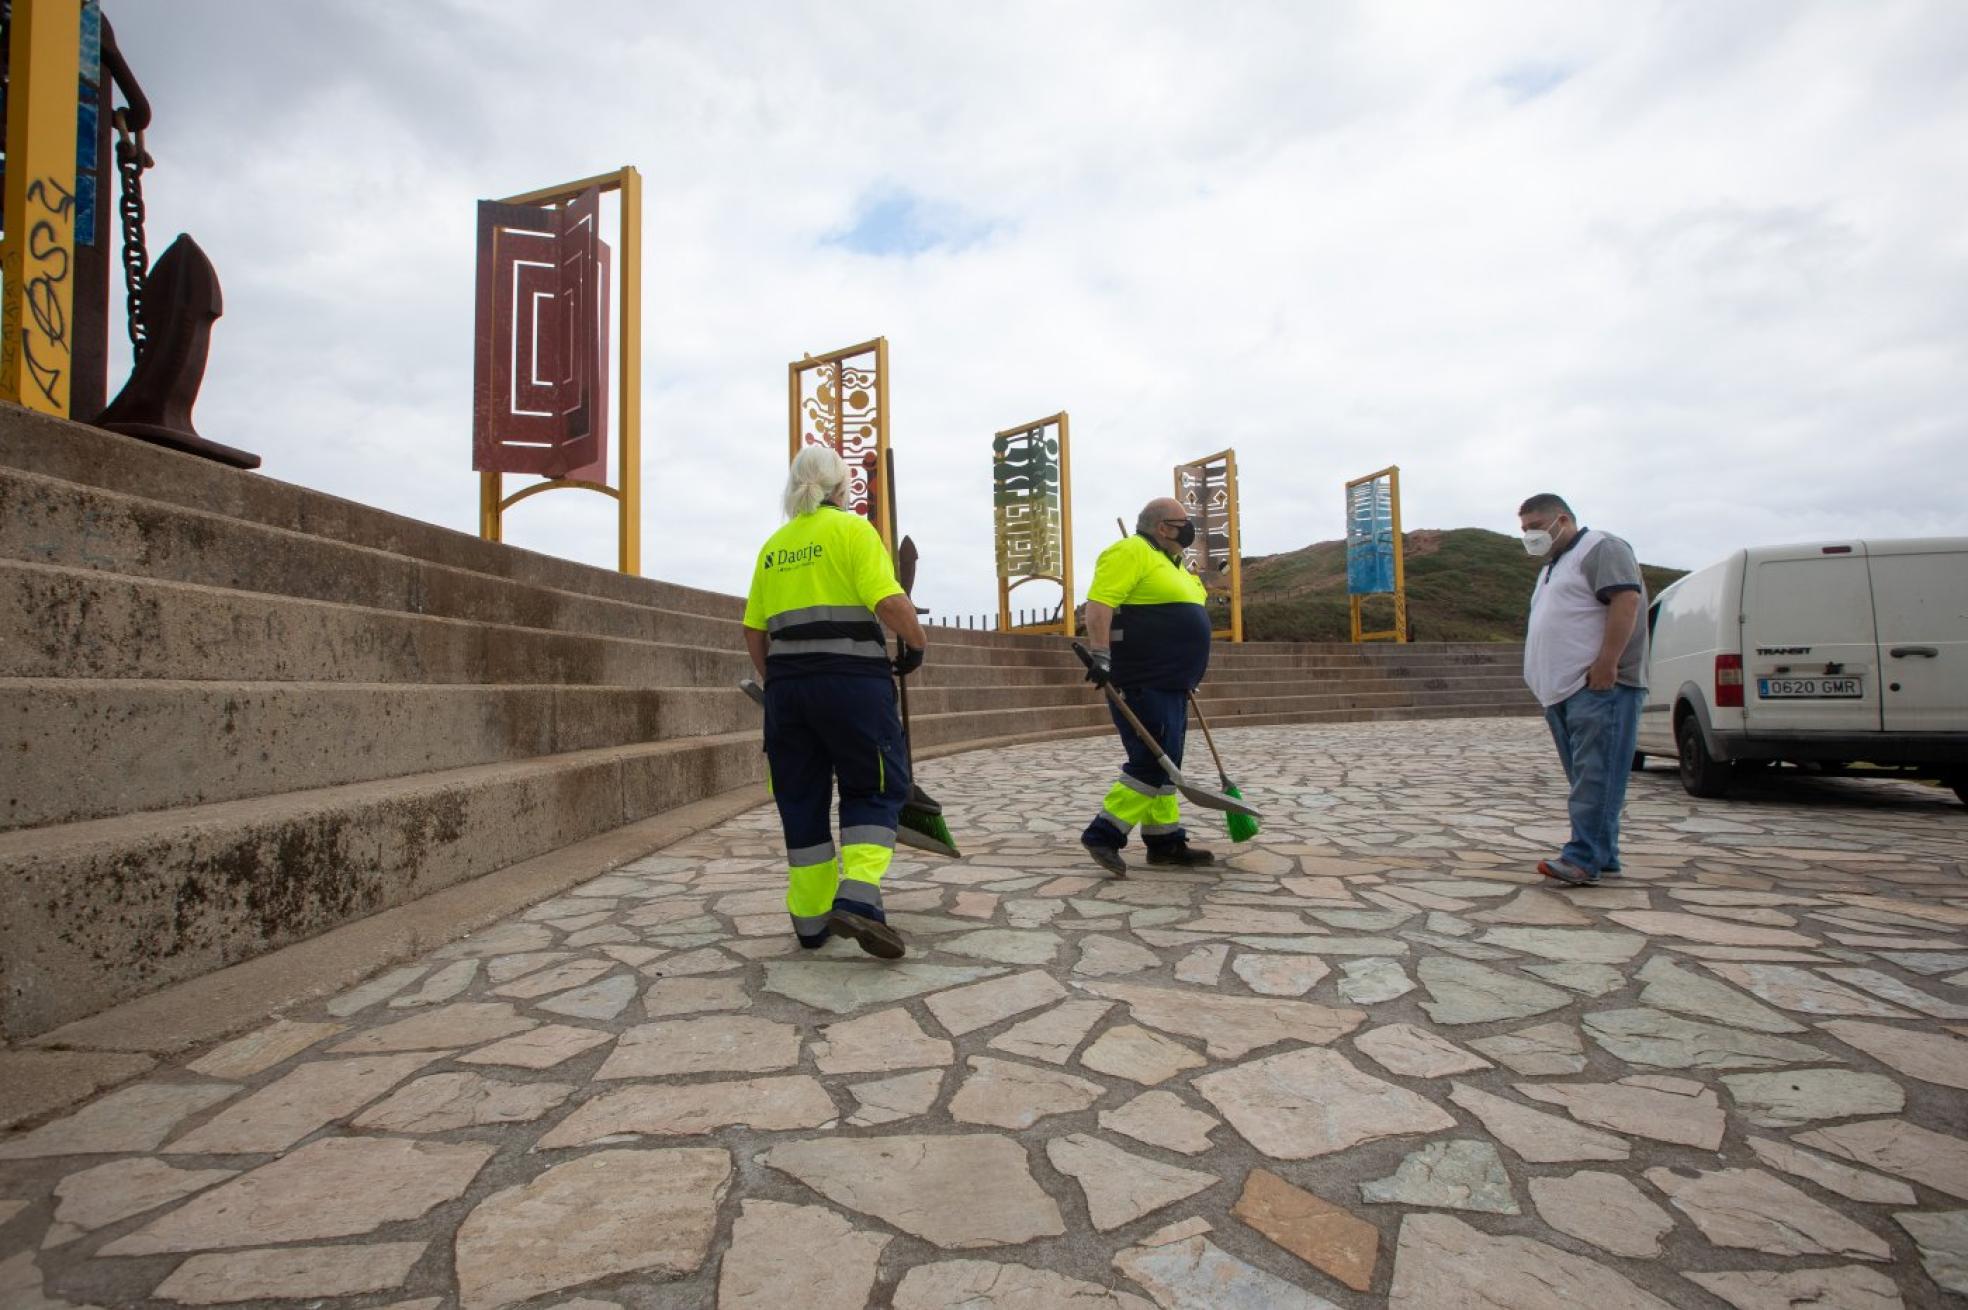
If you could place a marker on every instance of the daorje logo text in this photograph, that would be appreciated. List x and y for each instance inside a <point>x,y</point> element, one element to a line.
<point>786,559</point>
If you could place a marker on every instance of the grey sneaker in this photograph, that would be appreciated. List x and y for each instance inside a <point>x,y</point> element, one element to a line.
<point>1570,875</point>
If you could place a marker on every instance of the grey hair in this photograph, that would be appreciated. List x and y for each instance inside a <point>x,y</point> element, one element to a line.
<point>1151,514</point>
<point>818,474</point>
<point>1546,502</point>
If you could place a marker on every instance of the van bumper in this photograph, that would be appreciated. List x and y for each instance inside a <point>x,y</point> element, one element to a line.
<point>1948,750</point>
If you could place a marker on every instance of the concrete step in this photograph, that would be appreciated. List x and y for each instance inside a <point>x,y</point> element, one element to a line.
<point>92,623</point>
<point>97,912</point>
<point>61,523</point>
<point>157,744</point>
<point>89,457</point>
<point>1390,698</point>
<point>1472,710</point>
<point>78,622</point>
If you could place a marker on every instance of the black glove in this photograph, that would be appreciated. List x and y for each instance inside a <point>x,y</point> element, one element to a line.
<point>1100,668</point>
<point>907,661</point>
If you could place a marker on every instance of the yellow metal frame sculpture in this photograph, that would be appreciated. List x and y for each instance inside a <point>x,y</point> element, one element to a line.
<point>1001,529</point>
<point>831,416</point>
<point>1195,557</point>
<point>492,503</point>
<point>37,259</point>
<point>1354,602</point>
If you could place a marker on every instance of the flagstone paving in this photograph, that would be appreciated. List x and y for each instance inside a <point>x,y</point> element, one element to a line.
<point>1371,1060</point>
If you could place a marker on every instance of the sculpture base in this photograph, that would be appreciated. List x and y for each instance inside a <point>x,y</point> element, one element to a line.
<point>188,442</point>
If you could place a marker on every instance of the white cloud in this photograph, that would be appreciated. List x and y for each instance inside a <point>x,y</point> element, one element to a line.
<point>1697,267</point>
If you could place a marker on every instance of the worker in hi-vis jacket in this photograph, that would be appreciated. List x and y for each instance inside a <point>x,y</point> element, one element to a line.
<point>1150,637</point>
<point>822,592</point>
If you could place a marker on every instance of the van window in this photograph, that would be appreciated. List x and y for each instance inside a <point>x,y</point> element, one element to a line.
<point>1812,601</point>
<point>1689,618</point>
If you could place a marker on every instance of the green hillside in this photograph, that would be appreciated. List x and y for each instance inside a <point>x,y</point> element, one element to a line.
<point>1465,584</point>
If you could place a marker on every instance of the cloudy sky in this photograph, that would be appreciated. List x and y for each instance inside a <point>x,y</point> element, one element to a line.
<point>1699,267</point>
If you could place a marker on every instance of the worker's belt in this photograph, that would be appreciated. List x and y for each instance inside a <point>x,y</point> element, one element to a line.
<point>825,630</point>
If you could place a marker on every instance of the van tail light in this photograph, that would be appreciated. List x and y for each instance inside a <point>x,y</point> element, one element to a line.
<point>1728,682</point>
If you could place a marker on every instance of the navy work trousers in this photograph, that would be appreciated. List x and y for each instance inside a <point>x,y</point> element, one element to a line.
<point>823,730</point>
<point>1144,795</point>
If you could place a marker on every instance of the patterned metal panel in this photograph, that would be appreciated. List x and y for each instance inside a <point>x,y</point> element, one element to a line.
<point>1027,506</point>
<point>537,395</point>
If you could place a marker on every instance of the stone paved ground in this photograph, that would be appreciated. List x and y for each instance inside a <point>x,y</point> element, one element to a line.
<point>1373,1061</point>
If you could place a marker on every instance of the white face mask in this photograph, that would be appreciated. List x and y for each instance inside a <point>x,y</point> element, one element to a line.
<point>1537,542</point>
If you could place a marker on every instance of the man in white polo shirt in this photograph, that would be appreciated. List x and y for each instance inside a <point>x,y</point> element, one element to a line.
<point>1585,659</point>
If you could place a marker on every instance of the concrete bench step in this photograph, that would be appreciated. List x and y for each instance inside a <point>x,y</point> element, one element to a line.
<point>89,457</point>
<point>51,522</point>
<point>92,623</point>
<point>158,744</point>
<point>97,912</point>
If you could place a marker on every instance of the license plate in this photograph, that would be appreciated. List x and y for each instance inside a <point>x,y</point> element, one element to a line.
<point>1808,688</point>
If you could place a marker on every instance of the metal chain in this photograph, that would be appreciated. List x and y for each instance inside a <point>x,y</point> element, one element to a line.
<point>131,161</point>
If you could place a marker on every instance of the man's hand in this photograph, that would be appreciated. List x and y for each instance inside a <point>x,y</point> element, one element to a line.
<point>1603,674</point>
<point>1100,669</point>
<point>907,660</point>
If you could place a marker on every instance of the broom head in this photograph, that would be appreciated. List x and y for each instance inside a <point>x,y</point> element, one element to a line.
<point>925,830</point>
<point>1242,827</point>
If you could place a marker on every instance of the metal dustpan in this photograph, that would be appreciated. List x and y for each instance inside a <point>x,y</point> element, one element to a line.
<point>1197,795</point>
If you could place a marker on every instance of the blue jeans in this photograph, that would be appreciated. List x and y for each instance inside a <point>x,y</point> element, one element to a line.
<point>1596,732</point>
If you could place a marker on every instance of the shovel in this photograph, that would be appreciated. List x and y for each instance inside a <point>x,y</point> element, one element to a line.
<point>1203,796</point>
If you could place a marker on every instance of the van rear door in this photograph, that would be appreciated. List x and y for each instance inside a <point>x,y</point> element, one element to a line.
<point>1810,663</point>
<point>1920,601</point>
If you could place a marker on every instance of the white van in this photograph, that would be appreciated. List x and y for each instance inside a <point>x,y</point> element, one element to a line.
<point>1825,655</point>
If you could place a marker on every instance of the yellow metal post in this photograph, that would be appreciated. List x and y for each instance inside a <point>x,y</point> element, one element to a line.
<point>631,372</point>
<point>1066,522</point>
<point>793,372</point>
<point>1400,557</point>
<point>1236,548</point>
<point>37,265</point>
<point>884,506</point>
<point>491,511</point>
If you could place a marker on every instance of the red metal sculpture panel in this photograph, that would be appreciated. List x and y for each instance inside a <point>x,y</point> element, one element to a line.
<point>537,398</point>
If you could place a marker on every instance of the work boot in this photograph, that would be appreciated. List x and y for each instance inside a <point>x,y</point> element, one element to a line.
<point>877,939</point>
<point>1182,855</point>
<point>1107,857</point>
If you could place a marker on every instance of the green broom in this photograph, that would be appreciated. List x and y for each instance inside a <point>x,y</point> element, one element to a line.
<point>920,824</point>
<point>1242,827</point>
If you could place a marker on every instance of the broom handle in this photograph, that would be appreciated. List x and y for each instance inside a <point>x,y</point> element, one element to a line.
<point>1140,729</point>
<point>1197,706</point>
<point>902,690</point>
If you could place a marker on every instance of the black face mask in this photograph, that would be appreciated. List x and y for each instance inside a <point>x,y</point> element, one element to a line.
<point>1185,536</point>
